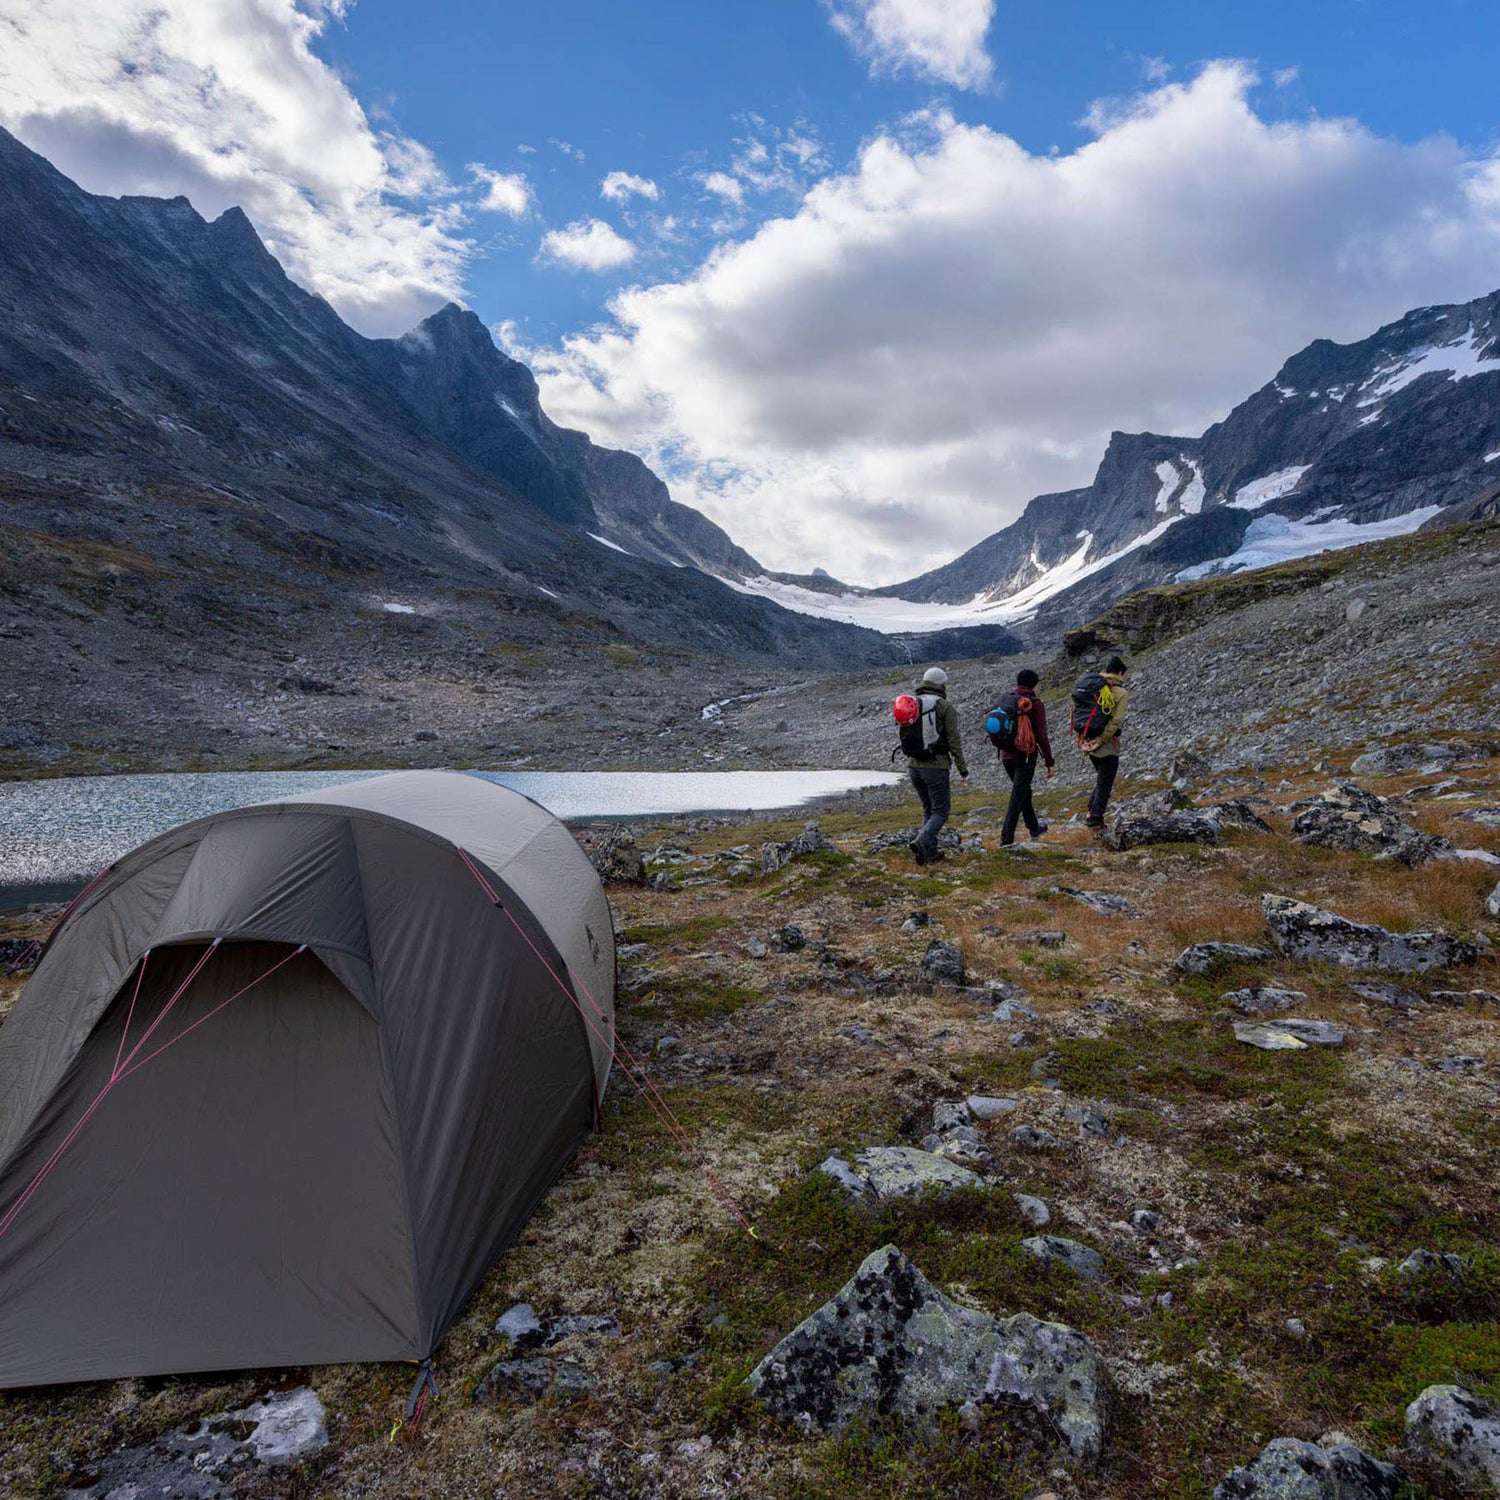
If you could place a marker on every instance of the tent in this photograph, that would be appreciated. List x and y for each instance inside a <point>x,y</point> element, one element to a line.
<point>290,1078</point>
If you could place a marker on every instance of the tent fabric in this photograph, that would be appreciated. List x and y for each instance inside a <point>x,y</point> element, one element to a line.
<point>323,1166</point>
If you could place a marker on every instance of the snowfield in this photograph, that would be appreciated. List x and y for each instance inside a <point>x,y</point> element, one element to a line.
<point>1273,539</point>
<point>1269,487</point>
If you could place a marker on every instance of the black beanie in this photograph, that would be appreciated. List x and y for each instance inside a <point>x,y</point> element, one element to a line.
<point>1027,678</point>
<point>1115,664</point>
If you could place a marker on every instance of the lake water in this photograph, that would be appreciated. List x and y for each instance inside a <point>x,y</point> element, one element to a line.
<point>55,835</point>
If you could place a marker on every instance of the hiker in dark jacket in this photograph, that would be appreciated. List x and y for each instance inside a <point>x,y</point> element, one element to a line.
<point>1103,747</point>
<point>1020,766</point>
<point>929,775</point>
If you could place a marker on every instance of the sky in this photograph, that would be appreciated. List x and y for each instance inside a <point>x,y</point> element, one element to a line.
<point>858,277</point>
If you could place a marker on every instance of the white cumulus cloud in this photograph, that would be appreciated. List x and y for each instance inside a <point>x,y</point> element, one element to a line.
<point>226,102</point>
<point>587,245</point>
<point>617,187</point>
<point>504,192</point>
<point>722,185</point>
<point>941,40</point>
<point>954,324</point>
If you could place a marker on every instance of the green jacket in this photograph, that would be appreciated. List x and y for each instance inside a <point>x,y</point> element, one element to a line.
<point>947,723</point>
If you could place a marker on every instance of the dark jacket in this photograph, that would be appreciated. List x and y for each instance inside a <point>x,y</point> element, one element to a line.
<point>1038,727</point>
<point>947,725</point>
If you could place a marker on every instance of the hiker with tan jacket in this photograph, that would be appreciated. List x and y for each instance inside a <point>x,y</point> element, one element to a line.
<point>1098,711</point>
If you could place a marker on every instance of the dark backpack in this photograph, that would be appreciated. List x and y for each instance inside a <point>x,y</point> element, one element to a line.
<point>1009,724</point>
<point>1090,714</point>
<point>913,744</point>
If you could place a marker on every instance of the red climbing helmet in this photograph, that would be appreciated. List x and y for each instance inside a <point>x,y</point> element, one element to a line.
<point>906,709</point>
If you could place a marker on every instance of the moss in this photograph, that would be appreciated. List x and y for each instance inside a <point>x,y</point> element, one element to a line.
<point>688,933</point>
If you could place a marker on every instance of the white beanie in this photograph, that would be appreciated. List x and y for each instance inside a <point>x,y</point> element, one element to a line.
<point>936,676</point>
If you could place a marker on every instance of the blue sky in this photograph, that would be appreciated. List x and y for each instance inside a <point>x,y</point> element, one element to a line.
<point>670,89</point>
<point>858,277</point>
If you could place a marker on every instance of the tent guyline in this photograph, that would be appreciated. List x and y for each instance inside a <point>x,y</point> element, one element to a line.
<point>127,1063</point>
<point>632,1066</point>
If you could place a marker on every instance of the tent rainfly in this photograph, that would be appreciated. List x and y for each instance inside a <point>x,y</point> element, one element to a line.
<point>289,1079</point>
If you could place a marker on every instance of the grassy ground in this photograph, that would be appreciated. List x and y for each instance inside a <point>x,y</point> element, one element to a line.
<point>1281,1181</point>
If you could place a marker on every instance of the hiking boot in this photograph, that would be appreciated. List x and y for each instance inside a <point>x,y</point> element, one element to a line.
<point>1093,822</point>
<point>918,853</point>
<point>1042,826</point>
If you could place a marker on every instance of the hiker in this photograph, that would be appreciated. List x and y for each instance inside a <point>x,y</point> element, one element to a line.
<point>1098,711</point>
<point>931,741</point>
<point>1017,726</point>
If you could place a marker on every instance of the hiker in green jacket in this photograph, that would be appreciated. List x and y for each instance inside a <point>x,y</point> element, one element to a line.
<point>929,772</point>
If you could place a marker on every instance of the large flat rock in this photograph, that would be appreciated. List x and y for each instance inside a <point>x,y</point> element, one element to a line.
<point>1304,931</point>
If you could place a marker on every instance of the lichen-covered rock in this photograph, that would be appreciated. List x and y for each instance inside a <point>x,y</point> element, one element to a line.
<point>1033,1138</point>
<point>617,858</point>
<point>1264,1000</point>
<point>1033,1210</point>
<point>889,1344</point>
<point>1492,905</point>
<point>528,1380</point>
<point>1348,817</point>
<point>1291,1470</point>
<point>1155,804</point>
<point>1430,1262</point>
<point>1386,992</point>
<point>788,939</point>
<point>1131,831</point>
<point>1086,1264</point>
<point>777,856</point>
<point>1267,1038</point>
<point>989,1106</point>
<point>905,1172</point>
<point>1200,958</point>
<point>1308,932</point>
<point>1186,768</point>
<point>1238,812</point>
<point>1461,1432</point>
<point>943,963</point>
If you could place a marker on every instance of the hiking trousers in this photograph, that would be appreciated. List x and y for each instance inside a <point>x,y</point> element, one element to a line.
<point>1020,769</point>
<point>1106,768</point>
<point>935,790</point>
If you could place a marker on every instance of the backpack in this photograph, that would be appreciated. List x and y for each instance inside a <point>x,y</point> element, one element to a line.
<point>921,738</point>
<point>1093,705</point>
<point>1009,725</point>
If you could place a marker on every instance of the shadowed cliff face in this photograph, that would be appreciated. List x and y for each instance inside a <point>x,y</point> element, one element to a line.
<point>1361,433</point>
<point>164,385</point>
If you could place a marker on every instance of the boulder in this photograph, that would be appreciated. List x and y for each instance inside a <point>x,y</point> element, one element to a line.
<point>943,963</point>
<point>1492,905</point>
<point>1384,992</point>
<point>528,1380</point>
<point>1131,831</point>
<point>1289,1469</point>
<point>989,1106</point>
<point>889,1344</point>
<point>1033,1210</point>
<point>1032,1138</point>
<point>1264,1000</point>
<point>521,1326</point>
<point>617,858</point>
<point>1394,760</point>
<point>1186,768</point>
<point>1239,813</point>
<point>1155,804</point>
<point>1200,958</point>
<point>1348,817</point>
<point>1431,1262</point>
<point>882,1173</point>
<point>1486,817</point>
<point>1272,1036</point>
<point>1086,1264</point>
<point>777,856</point>
<point>1308,932</point>
<point>788,940</point>
<point>1460,1432</point>
<point>1106,903</point>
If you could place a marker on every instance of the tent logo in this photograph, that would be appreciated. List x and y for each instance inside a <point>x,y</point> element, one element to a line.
<point>588,932</point>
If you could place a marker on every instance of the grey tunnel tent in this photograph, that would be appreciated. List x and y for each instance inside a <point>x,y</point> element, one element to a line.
<point>315,1152</point>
